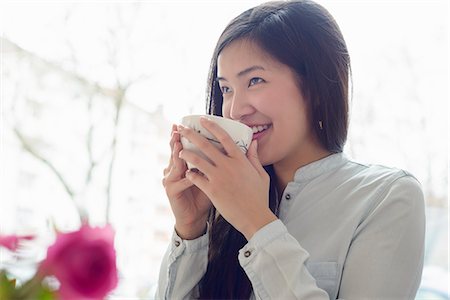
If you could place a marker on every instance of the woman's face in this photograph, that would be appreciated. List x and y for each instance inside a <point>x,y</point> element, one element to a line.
<point>265,94</point>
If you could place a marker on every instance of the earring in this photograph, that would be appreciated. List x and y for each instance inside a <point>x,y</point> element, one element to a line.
<point>321,125</point>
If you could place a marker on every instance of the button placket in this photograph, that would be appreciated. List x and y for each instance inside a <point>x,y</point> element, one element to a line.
<point>177,247</point>
<point>287,199</point>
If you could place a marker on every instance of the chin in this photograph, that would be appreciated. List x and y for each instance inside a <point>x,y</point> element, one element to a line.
<point>265,162</point>
<point>265,158</point>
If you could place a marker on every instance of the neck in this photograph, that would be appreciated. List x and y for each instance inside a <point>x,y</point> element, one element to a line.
<point>285,169</point>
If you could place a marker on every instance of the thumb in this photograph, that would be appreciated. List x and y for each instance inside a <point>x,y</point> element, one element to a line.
<point>252,155</point>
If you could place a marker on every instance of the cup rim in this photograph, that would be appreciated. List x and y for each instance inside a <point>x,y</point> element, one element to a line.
<point>221,118</point>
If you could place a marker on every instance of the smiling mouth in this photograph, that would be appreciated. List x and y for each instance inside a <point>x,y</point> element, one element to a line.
<point>259,130</point>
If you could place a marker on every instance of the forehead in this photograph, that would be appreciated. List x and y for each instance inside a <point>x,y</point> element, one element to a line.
<point>241,54</point>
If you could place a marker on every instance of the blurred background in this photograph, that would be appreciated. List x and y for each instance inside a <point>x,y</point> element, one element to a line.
<point>89,92</point>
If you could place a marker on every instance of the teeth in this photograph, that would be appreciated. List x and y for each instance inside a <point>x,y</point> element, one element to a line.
<point>257,129</point>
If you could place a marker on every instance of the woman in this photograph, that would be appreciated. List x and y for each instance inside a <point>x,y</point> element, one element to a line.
<point>294,218</point>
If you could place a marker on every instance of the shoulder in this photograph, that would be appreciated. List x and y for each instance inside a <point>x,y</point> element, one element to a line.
<point>380,175</point>
<point>380,184</point>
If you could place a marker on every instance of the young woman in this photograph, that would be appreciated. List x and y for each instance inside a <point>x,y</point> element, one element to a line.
<point>294,218</point>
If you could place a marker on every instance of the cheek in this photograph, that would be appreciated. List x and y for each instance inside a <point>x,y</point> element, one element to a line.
<point>226,110</point>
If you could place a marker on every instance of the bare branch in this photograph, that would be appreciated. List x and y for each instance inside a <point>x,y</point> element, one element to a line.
<point>8,45</point>
<point>119,100</point>
<point>26,145</point>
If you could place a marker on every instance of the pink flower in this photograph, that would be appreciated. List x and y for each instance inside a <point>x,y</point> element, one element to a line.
<point>84,262</point>
<point>12,241</point>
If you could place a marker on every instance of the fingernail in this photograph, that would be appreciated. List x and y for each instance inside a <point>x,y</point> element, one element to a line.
<point>180,128</point>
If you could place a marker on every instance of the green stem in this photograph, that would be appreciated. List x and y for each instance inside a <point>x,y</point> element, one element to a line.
<point>30,289</point>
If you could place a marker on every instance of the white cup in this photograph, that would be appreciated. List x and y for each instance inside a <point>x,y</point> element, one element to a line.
<point>240,133</point>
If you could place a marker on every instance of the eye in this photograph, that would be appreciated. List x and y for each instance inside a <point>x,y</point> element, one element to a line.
<point>225,89</point>
<point>255,80</point>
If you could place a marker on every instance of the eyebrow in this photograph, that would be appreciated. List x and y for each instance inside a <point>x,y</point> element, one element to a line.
<point>243,72</point>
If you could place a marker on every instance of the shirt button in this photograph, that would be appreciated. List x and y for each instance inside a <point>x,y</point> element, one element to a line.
<point>177,243</point>
<point>288,197</point>
<point>247,253</point>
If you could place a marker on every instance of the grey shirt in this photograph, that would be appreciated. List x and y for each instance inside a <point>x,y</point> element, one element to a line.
<point>345,230</point>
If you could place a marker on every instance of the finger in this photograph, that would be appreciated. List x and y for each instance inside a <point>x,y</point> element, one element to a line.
<point>177,166</point>
<point>166,170</point>
<point>222,136</point>
<point>252,155</point>
<point>205,145</point>
<point>172,139</point>
<point>198,180</point>
<point>176,188</point>
<point>199,162</point>
<point>169,167</point>
<point>175,137</point>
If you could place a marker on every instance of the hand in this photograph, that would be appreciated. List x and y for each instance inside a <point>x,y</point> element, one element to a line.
<point>190,205</point>
<point>236,184</point>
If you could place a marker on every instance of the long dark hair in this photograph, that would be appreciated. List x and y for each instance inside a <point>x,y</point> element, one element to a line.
<point>305,37</point>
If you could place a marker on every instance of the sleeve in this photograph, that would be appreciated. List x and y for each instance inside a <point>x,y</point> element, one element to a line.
<point>274,261</point>
<point>385,259</point>
<point>182,267</point>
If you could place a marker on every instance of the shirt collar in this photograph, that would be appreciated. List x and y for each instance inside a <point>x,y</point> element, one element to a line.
<point>316,168</point>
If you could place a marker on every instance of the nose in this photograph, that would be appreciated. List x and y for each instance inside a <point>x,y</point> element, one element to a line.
<point>240,107</point>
